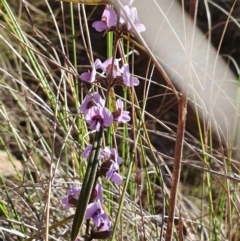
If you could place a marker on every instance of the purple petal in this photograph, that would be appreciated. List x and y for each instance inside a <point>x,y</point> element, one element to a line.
<point>127,78</point>
<point>100,26</point>
<point>116,178</point>
<point>107,116</point>
<point>91,209</point>
<point>94,211</point>
<point>107,67</point>
<point>140,27</point>
<point>109,16</point>
<point>107,152</point>
<point>98,188</point>
<point>86,76</point>
<point>86,153</point>
<point>98,116</point>
<point>72,192</point>
<point>113,168</point>
<point>89,101</point>
<point>123,18</point>
<point>119,104</point>
<point>98,64</point>
<point>123,116</point>
<point>105,223</point>
<point>65,203</point>
<point>119,160</point>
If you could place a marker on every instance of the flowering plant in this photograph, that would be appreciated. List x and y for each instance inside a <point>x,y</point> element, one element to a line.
<point>103,161</point>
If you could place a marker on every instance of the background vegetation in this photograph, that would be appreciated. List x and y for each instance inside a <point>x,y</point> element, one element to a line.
<point>44,46</point>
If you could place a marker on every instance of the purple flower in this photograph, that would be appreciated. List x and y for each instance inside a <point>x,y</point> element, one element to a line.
<point>127,78</point>
<point>98,116</point>
<point>109,19</point>
<point>121,115</point>
<point>110,167</point>
<point>96,212</point>
<point>132,13</point>
<point>111,153</point>
<point>72,197</point>
<point>113,174</point>
<point>107,67</point>
<point>92,100</point>
<point>73,194</point>
<point>105,223</point>
<point>86,153</point>
<point>91,77</point>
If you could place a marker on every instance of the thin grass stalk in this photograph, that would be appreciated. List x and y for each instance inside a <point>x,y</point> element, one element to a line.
<point>16,29</point>
<point>182,105</point>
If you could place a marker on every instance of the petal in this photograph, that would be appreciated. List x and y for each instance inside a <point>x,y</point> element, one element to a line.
<point>119,104</point>
<point>110,172</point>
<point>123,18</point>
<point>93,75</point>
<point>140,27</point>
<point>98,64</point>
<point>100,26</point>
<point>86,76</point>
<point>125,117</point>
<point>98,188</point>
<point>75,191</point>
<point>116,178</point>
<point>106,64</point>
<point>105,223</point>
<point>106,152</point>
<point>97,220</point>
<point>106,116</point>
<point>91,209</point>
<point>109,16</point>
<point>86,153</point>
<point>134,81</point>
<point>119,160</point>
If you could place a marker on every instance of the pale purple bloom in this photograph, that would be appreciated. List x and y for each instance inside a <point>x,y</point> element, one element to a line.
<point>98,116</point>
<point>91,100</point>
<point>91,76</point>
<point>121,115</point>
<point>96,212</point>
<point>110,167</point>
<point>72,196</point>
<point>128,79</point>
<point>71,199</point>
<point>108,20</point>
<point>86,153</point>
<point>107,67</point>
<point>105,223</point>
<point>112,154</point>
<point>132,14</point>
<point>113,174</point>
